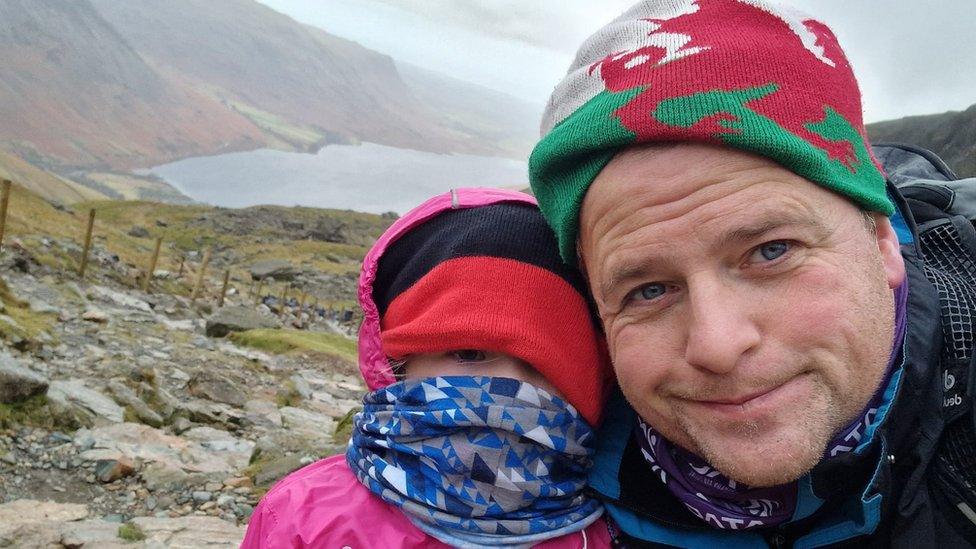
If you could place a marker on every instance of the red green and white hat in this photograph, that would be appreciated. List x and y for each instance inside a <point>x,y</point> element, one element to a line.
<point>739,73</point>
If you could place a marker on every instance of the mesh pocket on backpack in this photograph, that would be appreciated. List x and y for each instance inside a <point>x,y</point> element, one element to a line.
<point>951,269</point>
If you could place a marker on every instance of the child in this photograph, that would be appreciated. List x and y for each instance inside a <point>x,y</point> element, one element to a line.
<point>487,375</point>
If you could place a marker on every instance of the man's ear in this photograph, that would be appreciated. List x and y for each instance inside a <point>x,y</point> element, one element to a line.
<point>894,264</point>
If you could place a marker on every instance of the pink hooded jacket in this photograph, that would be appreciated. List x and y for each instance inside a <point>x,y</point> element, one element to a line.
<point>324,504</point>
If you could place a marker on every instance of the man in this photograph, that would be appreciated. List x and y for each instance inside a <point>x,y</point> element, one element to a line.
<point>770,321</point>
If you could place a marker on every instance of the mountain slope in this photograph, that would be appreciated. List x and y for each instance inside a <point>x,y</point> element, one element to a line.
<point>44,184</point>
<point>109,86</point>
<point>247,53</point>
<point>509,122</point>
<point>73,92</point>
<point>951,135</point>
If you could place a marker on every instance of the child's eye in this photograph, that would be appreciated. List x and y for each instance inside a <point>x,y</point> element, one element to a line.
<point>469,355</point>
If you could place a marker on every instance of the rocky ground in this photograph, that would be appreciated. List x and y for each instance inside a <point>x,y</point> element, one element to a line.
<point>122,423</point>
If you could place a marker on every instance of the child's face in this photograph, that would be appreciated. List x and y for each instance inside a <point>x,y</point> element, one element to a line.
<point>470,362</point>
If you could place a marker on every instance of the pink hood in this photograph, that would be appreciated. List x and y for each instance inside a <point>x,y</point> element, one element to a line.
<point>324,504</point>
<point>372,361</point>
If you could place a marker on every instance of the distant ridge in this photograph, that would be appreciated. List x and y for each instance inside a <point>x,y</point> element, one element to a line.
<point>951,135</point>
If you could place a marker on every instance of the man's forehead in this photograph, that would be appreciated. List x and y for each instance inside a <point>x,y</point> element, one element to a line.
<point>676,177</point>
<point>659,174</point>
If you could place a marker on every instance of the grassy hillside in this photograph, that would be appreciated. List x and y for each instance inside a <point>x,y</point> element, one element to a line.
<point>285,341</point>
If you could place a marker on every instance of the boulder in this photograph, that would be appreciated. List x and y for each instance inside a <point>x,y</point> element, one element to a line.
<point>216,388</point>
<point>164,476</point>
<point>29,523</point>
<point>262,413</point>
<point>43,307</point>
<point>74,401</point>
<point>138,231</point>
<point>127,397</point>
<point>316,425</point>
<point>119,298</point>
<point>161,401</point>
<point>203,411</point>
<point>94,315</point>
<point>92,533</point>
<point>330,230</point>
<point>237,319</point>
<point>17,383</point>
<point>236,450</point>
<point>187,532</point>
<point>301,386</point>
<point>208,451</point>
<point>278,269</point>
<point>110,470</point>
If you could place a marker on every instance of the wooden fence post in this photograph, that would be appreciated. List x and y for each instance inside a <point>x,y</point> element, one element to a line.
<point>182,260</point>
<point>223,289</point>
<point>257,296</point>
<point>203,270</point>
<point>88,239</point>
<point>284,295</point>
<point>4,202</point>
<point>152,265</point>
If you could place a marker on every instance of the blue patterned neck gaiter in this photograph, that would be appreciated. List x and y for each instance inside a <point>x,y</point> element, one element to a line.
<point>476,461</point>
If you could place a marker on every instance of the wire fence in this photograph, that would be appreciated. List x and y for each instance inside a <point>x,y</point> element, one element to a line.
<point>308,308</point>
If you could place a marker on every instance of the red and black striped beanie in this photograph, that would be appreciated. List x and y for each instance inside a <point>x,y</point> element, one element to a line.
<point>490,278</point>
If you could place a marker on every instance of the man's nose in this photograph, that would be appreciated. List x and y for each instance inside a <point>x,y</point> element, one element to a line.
<point>720,330</point>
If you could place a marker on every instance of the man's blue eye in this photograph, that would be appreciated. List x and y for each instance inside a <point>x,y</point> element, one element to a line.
<point>772,250</point>
<point>652,291</point>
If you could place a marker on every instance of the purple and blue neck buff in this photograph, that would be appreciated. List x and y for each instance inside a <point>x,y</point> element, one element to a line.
<point>725,504</point>
<point>477,462</point>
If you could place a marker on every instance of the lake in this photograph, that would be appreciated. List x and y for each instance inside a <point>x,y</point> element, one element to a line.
<point>367,178</point>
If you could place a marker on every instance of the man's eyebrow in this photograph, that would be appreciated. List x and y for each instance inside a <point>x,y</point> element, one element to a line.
<point>633,269</point>
<point>763,226</point>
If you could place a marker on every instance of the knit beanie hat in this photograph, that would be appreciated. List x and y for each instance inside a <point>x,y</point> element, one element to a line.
<point>739,73</point>
<point>490,278</point>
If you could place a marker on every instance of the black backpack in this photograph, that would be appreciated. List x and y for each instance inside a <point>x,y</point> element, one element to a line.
<point>944,208</point>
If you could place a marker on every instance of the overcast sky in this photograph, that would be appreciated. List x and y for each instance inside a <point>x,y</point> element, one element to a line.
<point>910,57</point>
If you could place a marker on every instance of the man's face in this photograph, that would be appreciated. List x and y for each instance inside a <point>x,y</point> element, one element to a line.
<point>748,311</point>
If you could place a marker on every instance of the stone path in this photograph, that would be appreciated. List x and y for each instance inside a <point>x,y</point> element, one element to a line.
<point>124,424</point>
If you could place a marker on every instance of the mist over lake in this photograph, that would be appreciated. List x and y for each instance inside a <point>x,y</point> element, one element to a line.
<point>367,178</point>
